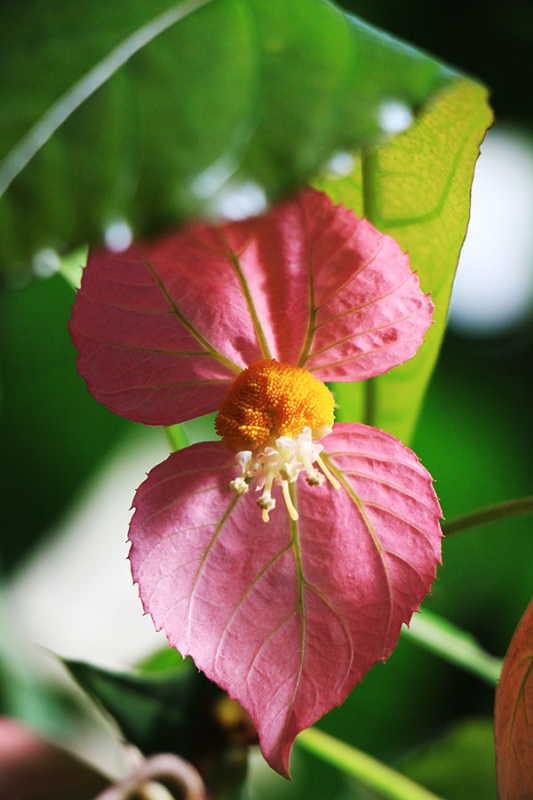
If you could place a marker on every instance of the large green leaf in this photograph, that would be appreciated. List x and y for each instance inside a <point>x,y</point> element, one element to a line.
<point>416,187</point>
<point>153,111</point>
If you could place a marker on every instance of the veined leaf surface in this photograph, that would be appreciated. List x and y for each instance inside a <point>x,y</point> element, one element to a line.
<point>287,615</point>
<point>416,188</point>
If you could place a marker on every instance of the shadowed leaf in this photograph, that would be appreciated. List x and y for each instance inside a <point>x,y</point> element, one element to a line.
<point>118,114</point>
<point>170,707</point>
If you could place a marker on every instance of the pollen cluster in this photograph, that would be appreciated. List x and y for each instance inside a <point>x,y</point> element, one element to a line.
<point>268,400</point>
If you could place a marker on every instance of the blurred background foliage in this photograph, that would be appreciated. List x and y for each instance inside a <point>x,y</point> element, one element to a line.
<point>474,435</point>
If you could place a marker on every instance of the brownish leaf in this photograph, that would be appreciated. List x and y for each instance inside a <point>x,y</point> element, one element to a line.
<point>513,727</point>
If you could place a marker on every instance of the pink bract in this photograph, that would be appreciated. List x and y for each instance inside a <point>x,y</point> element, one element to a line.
<point>288,615</point>
<point>164,327</point>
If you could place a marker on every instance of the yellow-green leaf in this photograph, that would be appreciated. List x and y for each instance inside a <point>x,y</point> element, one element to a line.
<point>416,187</point>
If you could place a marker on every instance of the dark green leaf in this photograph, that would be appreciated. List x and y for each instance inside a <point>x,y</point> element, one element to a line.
<point>156,711</point>
<point>228,107</point>
<point>170,706</point>
<point>52,432</point>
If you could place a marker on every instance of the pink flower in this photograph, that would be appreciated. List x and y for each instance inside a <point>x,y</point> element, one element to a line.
<point>286,606</point>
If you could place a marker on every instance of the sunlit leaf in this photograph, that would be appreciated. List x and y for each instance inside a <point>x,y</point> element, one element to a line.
<point>121,114</point>
<point>416,187</point>
<point>513,724</point>
<point>164,327</point>
<point>287,616</point>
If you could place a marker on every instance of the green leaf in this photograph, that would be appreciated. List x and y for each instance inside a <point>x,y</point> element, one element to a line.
<point>71,266</point>
<point>156,711</point>
<point>169,706</point>
<point>416,187</point>
<point>149,114</point>
<point>46,412</point>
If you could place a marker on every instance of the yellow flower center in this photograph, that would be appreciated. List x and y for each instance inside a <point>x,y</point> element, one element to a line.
<point>270,399</point>
<point>271,417</point>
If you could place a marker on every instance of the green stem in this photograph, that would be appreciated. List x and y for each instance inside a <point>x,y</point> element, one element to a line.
<point>369,164</point>
<point>176,436</point>
<point>505,510</point>
<point>369,169</point>
<point>446,640</point>
<point>369,409</point>
<point>368,770</point>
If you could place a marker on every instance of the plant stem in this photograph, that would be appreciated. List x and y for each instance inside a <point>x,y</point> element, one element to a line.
<point>369,169</point>
<point>368,770</point>
<point>509,508</point>
<point>369,410</point>
<point>176,437</point>
<point>446,640</point>
<point>142,781</point>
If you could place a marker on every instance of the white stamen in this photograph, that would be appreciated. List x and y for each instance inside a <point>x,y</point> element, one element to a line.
<point>279,464</point>
<point>238,485</point>
<point>293,514</point>
<point>315,478</point>
<point>331,478</point>
<point>244,459</point>
<point>289,473</point>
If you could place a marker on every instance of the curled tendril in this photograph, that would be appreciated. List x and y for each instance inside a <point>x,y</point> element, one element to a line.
<point>176,774</point>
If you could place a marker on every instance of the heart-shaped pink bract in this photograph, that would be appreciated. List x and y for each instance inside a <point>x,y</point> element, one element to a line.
<point>288,615</point>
